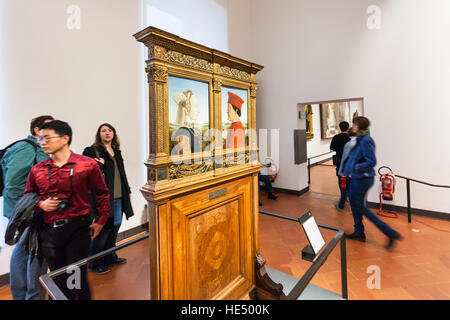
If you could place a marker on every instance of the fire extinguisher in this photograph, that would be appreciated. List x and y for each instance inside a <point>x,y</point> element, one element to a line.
<point>272,169</point>
<point>387,191</point>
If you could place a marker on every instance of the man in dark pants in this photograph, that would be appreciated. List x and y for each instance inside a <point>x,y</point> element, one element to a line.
<point>64,183</point>
<point>337,145</point>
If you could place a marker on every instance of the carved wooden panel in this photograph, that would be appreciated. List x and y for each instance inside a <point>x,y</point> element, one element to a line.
<point>213,250</point>
<point>213,242</point>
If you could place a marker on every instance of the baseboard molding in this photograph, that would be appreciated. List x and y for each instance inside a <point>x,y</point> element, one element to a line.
<point>294,192</point>
<point>132,232</point>
<point>4,278</point>
<point>414,211</point>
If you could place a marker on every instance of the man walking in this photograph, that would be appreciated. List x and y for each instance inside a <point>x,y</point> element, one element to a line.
<point>64,183</point>
<point>337,144</point>
<point>16,165</point>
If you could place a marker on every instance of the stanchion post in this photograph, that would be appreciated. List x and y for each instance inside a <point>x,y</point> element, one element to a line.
<point>408,195</point>
<point>344,268</point>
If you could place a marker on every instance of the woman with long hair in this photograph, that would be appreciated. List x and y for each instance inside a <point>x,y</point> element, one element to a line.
<point>359,167</point>
<point>106,151</point>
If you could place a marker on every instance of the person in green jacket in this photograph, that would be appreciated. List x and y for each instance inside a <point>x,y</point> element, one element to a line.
<point>17,163</point>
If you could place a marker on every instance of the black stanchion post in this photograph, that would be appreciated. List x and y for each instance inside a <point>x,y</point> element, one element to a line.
<point>344,268</point>
<point>408,194</point>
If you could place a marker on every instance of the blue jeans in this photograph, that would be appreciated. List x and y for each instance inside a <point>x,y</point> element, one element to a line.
<point>344,193</point>
<point>24,274</point>
<point>118,212</point>
<point>266,180</point>
<point>358,191</point>
<point>107,238</point>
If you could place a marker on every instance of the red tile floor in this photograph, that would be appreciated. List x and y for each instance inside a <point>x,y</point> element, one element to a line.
<point>417,268</point>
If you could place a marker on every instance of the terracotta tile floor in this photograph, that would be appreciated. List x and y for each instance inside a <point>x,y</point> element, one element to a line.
<point>418,267</point>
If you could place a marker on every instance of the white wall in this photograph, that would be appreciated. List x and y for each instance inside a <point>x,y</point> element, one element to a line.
<point>323,50</point>
<point>96,74</point>
<point>188,20</point>
<point>219,24</point>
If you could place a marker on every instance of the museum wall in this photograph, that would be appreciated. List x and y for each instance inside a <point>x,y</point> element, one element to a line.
<point>324,50</point>
<point>95,74</point>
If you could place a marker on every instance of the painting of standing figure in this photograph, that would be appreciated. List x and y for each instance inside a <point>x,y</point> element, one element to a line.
<point>188,115</point>
<point>331,114</point>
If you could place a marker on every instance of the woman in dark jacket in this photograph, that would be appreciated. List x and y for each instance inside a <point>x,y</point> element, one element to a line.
<point>359,167</point>
<point>106,150</point>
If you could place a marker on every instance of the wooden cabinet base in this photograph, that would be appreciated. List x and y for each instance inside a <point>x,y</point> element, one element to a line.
<point>203,243</point>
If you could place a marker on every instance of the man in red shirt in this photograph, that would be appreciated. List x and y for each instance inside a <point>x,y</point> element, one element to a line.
<point>64,182</point>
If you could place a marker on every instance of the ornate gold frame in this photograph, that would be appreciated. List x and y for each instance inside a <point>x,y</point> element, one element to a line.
<point>170,55</point>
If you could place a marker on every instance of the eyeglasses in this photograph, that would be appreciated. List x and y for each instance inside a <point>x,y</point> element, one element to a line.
<point>45,138</point>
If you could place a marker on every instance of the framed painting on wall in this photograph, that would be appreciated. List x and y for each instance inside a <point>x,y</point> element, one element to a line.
<point>309,122</point>
<point>188,114</point>
<point>234,117</point>
<point>331,114</point>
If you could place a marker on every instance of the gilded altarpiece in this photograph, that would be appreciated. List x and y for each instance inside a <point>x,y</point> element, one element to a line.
<point>202,193</point>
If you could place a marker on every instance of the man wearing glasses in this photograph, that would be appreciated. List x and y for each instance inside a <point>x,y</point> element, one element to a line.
<point>64,182</point>
<point>16,165</point>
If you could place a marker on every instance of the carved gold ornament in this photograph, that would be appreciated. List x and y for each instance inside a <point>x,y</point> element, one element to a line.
<point>235,73</point>
<point>189,61</point>
<point>177,171</point>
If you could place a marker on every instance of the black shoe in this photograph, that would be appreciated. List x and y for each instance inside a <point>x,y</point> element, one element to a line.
<point>392,240</point>
<point>336,205</point>
<point>117,261</point>
<point>356,237</point>
<point>272,196</point>
<point>101,269</point>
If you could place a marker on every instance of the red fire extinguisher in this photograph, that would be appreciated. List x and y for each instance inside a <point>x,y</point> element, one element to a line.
<point>387,191</point>
<point>272,169</point>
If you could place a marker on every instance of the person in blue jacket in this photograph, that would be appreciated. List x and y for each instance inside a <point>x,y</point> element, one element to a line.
<point>359,167</point>
<point>17,163</point>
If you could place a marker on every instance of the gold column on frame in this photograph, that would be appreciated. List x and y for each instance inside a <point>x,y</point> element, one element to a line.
<point>252,111</point>
<point>159,143</point>
<point>217,102</point>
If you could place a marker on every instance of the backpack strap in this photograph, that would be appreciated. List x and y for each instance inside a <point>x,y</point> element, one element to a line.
<point>23,140</point>
<point>35,148</point>
<point>26,140</point>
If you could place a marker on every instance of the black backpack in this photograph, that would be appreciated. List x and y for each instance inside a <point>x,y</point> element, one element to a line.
<point>2,153</point>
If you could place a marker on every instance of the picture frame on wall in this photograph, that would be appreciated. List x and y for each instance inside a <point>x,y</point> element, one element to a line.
<point>309,122</point>
<point>331,114</point>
